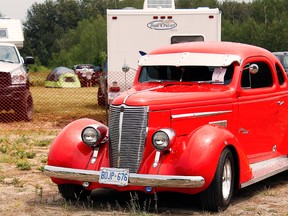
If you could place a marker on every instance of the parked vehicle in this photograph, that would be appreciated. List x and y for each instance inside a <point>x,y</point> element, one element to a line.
<point>134,31</point>
<point>88,74</point>
<point>14,80</point>
<point>202,118</point>
<point>283,57</point>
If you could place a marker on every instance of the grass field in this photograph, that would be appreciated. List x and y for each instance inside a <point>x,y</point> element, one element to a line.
<point>23,142</point>
<point>57,106</point>
<point>66,104</point>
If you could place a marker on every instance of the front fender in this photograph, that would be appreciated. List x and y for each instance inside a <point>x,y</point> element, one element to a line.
<point>200,155</point>
<point>68,150</point>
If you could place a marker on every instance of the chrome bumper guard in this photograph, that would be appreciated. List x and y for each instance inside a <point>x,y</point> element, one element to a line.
<point>134,179</point>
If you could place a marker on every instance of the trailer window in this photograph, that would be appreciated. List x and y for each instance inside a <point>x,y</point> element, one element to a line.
<point>183,39</point>
<point>3,33</point>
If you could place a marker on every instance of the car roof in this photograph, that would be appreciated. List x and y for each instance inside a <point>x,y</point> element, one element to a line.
<point>218,47</point>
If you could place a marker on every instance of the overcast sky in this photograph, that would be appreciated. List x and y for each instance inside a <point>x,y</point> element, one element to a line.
<point>17,9</point>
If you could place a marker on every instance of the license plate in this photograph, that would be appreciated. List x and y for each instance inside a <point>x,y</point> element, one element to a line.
<point>114,176</point>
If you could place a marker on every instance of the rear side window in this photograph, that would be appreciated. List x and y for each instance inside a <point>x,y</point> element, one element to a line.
<point>279,75</point>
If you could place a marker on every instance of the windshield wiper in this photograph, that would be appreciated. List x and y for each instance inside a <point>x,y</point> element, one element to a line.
<point>5,60</point>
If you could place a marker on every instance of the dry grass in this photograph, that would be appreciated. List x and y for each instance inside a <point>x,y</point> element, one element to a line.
<point>54,108</point>
<point>66,104</point>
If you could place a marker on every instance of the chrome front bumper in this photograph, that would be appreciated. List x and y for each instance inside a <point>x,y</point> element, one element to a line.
<point>134,179</point>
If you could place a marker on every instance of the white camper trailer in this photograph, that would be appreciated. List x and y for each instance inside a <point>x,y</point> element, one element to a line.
<point>158,23</point>
<point>11,32</point>
<point>14,82</point>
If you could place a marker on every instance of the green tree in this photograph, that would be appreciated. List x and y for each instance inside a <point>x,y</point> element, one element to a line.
<point>196,3</point>
<point>129,3</point>
<point>47,22</point>
<point>236,12</point>
<point>85,44</point>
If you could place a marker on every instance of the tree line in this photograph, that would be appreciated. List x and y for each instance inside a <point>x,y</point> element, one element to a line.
<point>68,32</point>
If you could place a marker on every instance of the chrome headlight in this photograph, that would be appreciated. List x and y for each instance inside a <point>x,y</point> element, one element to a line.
<point>162,138</point>
<point>90,136</point>
<point>18,77</point>
<point>94,135</point>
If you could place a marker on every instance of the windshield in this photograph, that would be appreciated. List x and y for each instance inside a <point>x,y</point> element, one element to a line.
<point>8,54</point>
<point>219,75</point>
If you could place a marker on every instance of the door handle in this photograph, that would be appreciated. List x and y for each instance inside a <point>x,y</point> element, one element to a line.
<point>280,103</point>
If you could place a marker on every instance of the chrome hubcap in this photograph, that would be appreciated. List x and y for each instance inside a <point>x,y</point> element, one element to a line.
<point>226,179</point>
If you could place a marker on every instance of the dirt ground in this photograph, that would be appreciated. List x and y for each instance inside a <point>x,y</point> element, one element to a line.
<point>32,193</point>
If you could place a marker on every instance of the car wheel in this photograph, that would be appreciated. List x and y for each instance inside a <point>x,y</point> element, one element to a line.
<point>25,109</point>
<point>73,192</point>
<point>218,195</point>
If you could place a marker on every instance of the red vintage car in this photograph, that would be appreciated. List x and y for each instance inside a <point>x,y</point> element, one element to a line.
<point>202,118</point>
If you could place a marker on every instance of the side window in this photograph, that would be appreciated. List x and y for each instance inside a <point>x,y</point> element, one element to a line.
<point>260,79</point>
<point>279,75</point>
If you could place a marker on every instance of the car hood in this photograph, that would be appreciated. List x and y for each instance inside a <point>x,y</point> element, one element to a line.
<point>176,95</point>
<point>9,67</point>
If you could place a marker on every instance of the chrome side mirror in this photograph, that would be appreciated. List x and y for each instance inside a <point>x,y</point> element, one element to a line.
<point>126,68</point>
<point>253,68</point>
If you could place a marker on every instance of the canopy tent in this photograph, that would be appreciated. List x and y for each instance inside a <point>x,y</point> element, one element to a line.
<point>62,77</point>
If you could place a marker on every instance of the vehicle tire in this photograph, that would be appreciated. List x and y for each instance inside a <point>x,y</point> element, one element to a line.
<point>218,195</point>
<point>73,192</point>
<point>25,109</point>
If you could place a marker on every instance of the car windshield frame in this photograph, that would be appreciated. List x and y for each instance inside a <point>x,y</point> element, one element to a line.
<point>199,74</point>
<point>189,67</point>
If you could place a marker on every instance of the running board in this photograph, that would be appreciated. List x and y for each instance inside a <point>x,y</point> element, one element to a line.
<point>265,169</point>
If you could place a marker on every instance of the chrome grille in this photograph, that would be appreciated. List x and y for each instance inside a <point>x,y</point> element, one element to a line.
<point>5,79</point>
<point>128,152</point>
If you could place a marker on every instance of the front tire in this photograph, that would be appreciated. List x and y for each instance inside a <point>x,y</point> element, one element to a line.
<point>73,192</point>
<point>218,195</point>
<point>25,109</point>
